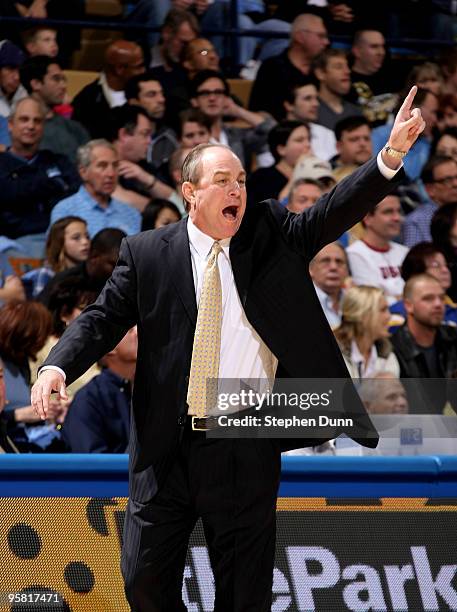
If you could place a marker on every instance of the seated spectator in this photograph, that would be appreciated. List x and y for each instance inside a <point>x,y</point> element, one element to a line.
<point>98,167</point>
<point>302,104</point>
<point>353,143</point>
<point>32,180</point>
<point>178,29</point>
<point>145,91</point>
<point>288,141</point>
<point>308,38</point>
<point>439,178</point>
<point>311,167</point>
<point>41,40</point>
<point>363,333</point>
<point>443,229</point>
<point>131,131</point>
<point>67,245</point>
<point>426,258</point>
<point>376,259</point>
<point>426,76</point>
<point>45,81</point>
<point>211,94</point>
<point>92,105</point>
<point>372,83</point>
<point>96,269</point>
<point>447,112</point>
<point>445,144</point>
<point>383,394</point>
<point>426,348</point>
<point>24,328</point>
<point>11,90</point>
<point>68,38</point>
<point>6,444</point>
<point>159,213</point>
<point>197,55</point>
<point>419,153</point>
<point>98,420</point>
<point>303,194</point>
<point>194,128</point>
<point>67,299</point>
<point>332,71</point>
<point>329,270</point>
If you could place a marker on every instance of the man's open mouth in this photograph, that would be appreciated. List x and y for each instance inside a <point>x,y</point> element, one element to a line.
<point>230,212</point>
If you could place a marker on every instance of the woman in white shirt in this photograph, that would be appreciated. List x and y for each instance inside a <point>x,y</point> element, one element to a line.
<point>364,332</point>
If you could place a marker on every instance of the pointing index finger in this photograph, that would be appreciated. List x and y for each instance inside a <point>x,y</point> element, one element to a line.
<point>406,106</point>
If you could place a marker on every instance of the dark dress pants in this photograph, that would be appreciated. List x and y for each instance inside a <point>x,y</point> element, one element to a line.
<point>232,485</point>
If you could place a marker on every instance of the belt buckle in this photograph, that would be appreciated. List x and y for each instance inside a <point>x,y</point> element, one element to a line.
<point>194,424</point>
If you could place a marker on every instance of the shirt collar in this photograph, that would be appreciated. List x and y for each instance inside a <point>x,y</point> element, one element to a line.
<point>203,243</point>
<point>92,200</point>
<point>357,357</point>
<point>324,297</point>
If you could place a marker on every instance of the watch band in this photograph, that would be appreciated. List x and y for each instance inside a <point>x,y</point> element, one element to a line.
<point>394,152</point>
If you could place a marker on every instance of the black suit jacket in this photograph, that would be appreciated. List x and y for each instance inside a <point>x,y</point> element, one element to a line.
<point>152,285</point>
<point>92,110</point>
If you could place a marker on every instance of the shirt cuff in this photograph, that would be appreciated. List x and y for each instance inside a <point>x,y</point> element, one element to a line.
<point>51,367</point>
<point>386,172</point>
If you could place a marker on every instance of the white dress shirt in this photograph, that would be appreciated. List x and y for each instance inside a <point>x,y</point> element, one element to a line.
<point>243,354</point>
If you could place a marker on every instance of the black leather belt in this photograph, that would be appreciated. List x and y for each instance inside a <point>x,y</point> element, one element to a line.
<point>203,423</point>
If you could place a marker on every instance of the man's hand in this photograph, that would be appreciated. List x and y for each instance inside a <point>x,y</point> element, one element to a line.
<point>47,382</point>
<point>130,170</point>
<point>408,125</point>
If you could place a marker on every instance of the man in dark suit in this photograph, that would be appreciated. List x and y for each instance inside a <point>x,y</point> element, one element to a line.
<point>260,257</point>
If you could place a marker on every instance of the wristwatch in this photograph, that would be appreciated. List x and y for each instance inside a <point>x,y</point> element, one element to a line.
<point>394,152</point>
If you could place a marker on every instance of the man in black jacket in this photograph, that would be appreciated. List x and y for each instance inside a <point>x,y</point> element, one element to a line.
<point>32,180</point>
<point>260,257</point>
<point>425,348</point>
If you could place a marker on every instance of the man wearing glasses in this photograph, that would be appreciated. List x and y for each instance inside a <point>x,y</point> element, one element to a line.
<point>440,181</point>
<point>211,94</point>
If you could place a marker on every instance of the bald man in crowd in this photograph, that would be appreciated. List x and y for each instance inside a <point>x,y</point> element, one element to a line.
<point>123,60</point>
<point>308,38</point>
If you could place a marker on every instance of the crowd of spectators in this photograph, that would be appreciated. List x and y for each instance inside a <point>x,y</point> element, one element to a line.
<point>76,176</point>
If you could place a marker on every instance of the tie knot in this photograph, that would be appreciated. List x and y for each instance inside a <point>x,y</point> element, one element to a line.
<point>215,249</point>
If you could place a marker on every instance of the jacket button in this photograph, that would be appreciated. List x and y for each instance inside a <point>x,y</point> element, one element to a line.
<point>182,419</point>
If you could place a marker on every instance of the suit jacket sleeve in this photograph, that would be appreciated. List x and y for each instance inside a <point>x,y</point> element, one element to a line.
<point>101,325</point>
<point>339,210</point>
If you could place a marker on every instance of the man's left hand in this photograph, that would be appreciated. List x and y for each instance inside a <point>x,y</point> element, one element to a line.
<point>408,125</point>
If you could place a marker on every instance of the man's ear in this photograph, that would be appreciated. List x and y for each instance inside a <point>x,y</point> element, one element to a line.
<point>188,192</point>
<point>408,306</point>
<point>288,106</point>
<point>194,102</point>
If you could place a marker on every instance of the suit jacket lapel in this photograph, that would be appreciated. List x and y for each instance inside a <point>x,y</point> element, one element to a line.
<point>179,262</point>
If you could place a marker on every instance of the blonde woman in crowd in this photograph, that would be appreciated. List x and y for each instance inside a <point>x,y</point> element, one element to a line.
<point>364,332</point>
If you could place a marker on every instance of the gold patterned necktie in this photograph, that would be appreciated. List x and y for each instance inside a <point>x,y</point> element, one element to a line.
<point>204,369</point>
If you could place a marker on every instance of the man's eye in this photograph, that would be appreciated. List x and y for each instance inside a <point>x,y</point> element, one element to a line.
<point>222,181</point>
<point>241,182</point>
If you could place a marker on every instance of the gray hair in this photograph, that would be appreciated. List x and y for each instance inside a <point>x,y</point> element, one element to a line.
<point>15,106</point>
<point>191,165</point>
<point>84,154</point>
